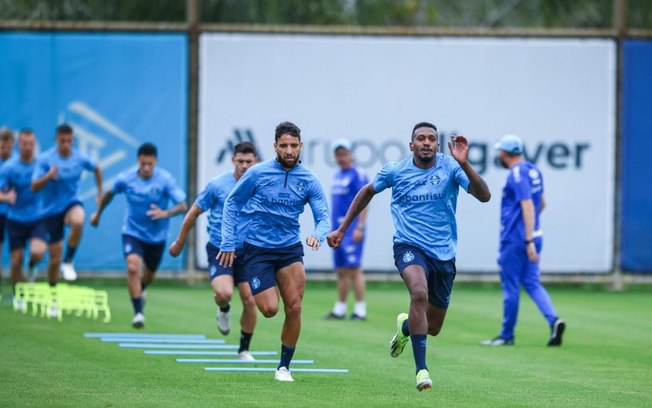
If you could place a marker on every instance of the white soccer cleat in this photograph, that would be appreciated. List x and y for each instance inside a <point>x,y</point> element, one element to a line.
<point>283,374</point>
<point>223,321</point>
<point>53,312</point>
<point>138,322</point>
<point>19,305</point>
<point>245,356</point>
<point>68,271</point>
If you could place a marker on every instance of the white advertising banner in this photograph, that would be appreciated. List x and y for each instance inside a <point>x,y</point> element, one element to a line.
<point>557,94</point>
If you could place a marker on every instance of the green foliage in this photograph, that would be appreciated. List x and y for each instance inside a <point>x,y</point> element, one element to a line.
<point>429,13</point>
<point>604,361</point>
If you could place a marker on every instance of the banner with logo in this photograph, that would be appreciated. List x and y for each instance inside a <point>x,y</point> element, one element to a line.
<point>117,91</point>
<point>636,253</point>
<point>557,94</point>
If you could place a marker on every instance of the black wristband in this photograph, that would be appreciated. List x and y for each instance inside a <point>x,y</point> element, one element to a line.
<point>528,241</point>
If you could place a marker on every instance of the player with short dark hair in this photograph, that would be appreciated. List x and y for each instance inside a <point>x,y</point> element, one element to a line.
<point>212,199</point>
<point>58,172</point>
<point>266,203</point>
<point>521,240</point>
<point>424,200</point>
<point>25,215</point>
<point>148,189</point>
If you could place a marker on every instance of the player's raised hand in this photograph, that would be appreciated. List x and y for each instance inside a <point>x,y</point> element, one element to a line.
<point>175,248</point>
<point>313,243</point>
<point>155,213</point>
<point>459,148</point>
<point>225,259</point>
<point>334,239</point>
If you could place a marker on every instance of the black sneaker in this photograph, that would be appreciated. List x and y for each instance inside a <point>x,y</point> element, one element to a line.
<point>333,316</point>
<point>356,316</point>
<point>498,341</point>
<point>556,333</point>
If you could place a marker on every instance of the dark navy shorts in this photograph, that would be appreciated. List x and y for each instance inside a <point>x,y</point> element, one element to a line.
<point>215,269</point>
<point>348,254</point>
<point>54,224</point>
<point>20,232</point>
<point>439,274</point>
<point>151,253</point>
<point>3,223</point>
<point>261,264</point>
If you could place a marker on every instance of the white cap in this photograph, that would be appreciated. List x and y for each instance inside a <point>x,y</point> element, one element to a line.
<point>511,144</point>
<point>343,143</point>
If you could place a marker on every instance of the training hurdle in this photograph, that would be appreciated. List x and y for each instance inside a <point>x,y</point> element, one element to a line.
<point>236,361</point>
<point>271,370</point>
<point>53,301</point>
<point>205,353</point>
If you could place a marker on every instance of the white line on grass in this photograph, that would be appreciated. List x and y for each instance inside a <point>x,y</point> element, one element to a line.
<point>205,353</point>
<point>269,369</point>
<point>178,346</point>
<point>236,361</point>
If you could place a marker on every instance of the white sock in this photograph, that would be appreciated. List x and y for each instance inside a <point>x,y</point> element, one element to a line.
<point>339,308</point>
<point>360,308</point>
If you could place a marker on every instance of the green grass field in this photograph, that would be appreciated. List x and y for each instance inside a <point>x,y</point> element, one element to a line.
<point>606,359</point>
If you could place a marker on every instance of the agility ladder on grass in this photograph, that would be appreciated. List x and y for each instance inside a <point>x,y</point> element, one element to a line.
<point>52,302</point>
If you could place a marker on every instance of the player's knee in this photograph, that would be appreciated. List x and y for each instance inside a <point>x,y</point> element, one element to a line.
<point>248,302</point>
<point>223,296</point>
<point>419,297</point>
<point>293,309</point>
<point>268,310</point>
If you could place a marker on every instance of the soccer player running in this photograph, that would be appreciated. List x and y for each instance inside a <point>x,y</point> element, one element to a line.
<point>347,181</point>
<point>521,240</point>
<point>212,199</point>
<point>148,189</point>
<point>25,216</point>
<point>6,151</point>
<point>266,203</point>
<point>58,171</point>
<point>424,198</point>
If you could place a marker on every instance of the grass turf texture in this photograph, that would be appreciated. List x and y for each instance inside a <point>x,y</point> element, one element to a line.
<point>606,359</point>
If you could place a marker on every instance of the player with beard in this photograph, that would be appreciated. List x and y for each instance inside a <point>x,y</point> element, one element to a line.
<point>268,199</point>
<point>424,199</point>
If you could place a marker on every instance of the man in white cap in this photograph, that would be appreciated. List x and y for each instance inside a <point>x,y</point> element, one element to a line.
<point>347,181</point>
<point>521,240</point>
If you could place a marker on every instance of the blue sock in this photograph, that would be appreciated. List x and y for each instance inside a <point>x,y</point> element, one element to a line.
<point>70,254</point>
<point>286,356</point>
<point>138,304</point>
<point>419,349</point>
<point>245,339</point>
<point>405,328</point>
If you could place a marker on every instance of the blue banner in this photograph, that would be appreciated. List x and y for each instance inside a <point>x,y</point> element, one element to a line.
<point>636,219</point>
<point>117,91</point>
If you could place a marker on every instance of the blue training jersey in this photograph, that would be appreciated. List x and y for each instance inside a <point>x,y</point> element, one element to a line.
<point>141,194</point>
<point>4,207</point>
<point>346,184</point>
<point>524,182</point>
<point>17,175</point>
<point>424,203</point>
<point>212,199</point>
<point>61,192</point>
<point>270,200</point>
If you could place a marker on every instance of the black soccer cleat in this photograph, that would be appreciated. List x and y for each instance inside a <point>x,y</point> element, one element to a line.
<point>556,333</point>
<point>333,316</point>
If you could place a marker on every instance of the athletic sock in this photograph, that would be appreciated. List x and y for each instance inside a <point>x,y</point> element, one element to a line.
<point>138,304</point>
<point>245,339</point>
<point>405,328</point>
<point>419,349</point>
<point>70,254</point>
<point>225,309</point>
<point>286,356</point>
<point>339,309</point>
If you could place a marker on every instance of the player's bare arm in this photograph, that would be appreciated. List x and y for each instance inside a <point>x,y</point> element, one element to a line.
<point>188,223</point>
<point>478,188</point>
<point>360,202</point>
<point>102,204</point>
